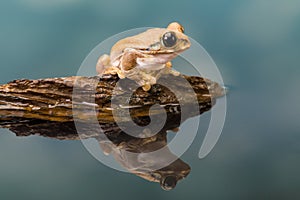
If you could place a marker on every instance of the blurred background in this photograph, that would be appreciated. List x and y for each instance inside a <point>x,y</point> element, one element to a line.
<point>256,47</point>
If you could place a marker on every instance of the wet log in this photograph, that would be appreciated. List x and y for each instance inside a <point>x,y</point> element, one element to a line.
<point>50,106</point>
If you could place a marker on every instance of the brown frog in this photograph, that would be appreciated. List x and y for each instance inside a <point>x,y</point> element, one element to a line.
<point>146,56</point>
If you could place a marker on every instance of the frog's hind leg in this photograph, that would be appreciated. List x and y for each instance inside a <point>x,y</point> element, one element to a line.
<point>104,66</point>
<point>103,63</point>
<point>114,70</point>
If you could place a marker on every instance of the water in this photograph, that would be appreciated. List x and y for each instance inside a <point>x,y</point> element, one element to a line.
<point>254,43</point>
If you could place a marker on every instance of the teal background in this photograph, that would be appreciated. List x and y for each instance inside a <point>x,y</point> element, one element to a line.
<point>256,47</point>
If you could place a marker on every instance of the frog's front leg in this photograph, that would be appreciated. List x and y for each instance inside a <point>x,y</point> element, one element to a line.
<point>146,80</point>
<point>170,70</point>
<point>129,59</point>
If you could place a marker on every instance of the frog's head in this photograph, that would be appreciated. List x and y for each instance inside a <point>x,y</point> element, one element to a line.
<point>161,43</point>
<point>153,160</point>
<point>154,41</point>
<point>170,175</point>
<point>167,176</point>
<point>168,41</point>
<point>175,38</point>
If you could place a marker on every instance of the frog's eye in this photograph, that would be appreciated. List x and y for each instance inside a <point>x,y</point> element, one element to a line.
<point>169,39</point>
<point>168,183</point>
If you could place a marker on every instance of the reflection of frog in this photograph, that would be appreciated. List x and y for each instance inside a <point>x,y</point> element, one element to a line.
<point>138,156</point>
<point>146,56</point>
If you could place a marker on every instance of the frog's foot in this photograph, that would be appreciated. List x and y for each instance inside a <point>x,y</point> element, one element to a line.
<point>121,75</point>
<point>174,72</point>
<point>145,78</point>
<point>114,70</point>
<point>102,63</point>
<point>147,82</point>
<point>167,70</point>
<point>146,87</point>
<point>169,64</point>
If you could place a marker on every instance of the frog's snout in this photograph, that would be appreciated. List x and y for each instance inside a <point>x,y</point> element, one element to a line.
<point>184,44</point>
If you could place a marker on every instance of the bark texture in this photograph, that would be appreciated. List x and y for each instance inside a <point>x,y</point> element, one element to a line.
<point>49,107</point>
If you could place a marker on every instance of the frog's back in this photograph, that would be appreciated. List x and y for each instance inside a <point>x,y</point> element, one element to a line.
<point>140,41</point>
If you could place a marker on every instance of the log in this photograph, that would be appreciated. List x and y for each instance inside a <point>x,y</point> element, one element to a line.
<point>29,107</point>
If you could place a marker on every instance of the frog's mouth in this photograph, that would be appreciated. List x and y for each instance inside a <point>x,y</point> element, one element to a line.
<point>181,45</point>
<point>164,55</point>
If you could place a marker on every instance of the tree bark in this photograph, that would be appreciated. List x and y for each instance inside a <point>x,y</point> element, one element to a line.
<point>50,106</point>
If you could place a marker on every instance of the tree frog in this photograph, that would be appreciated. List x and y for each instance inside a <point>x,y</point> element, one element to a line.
<point>146,56</point>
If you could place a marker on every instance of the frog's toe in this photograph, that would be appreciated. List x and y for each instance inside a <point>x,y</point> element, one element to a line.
<point>121,75</point>
<point>169,64</point>
<point>174,73</point>
<point>146,87</point>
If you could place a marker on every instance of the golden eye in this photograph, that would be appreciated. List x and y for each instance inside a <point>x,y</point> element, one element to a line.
<point>169,39</point>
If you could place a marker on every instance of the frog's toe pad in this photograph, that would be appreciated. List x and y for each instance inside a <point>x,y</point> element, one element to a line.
<point>146,87</point>
<point>174,73</point>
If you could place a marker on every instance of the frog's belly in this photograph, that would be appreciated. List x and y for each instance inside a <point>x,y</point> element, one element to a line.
<point>148,68</point>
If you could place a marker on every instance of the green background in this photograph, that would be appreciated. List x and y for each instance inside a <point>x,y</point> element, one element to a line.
<point>256,47</point>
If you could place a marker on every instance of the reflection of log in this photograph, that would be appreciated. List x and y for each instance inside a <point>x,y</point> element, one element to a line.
<point>26,106</point>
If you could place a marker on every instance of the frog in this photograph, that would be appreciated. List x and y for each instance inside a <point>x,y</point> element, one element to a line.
<point>138,156</point>
<point>145,57</point>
